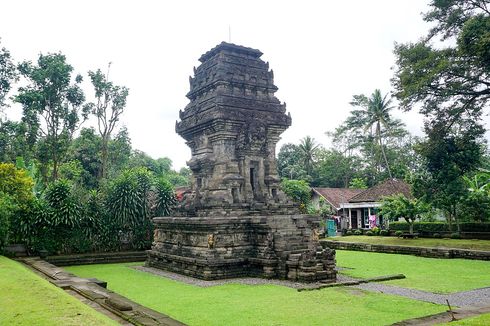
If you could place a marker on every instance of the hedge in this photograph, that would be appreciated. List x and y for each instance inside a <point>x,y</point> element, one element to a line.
<point>438,227</point>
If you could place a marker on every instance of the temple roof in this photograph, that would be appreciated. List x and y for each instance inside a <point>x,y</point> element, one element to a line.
<point>224,46</point>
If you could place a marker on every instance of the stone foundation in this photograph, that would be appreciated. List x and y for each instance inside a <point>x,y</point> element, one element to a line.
<point>283,246</point>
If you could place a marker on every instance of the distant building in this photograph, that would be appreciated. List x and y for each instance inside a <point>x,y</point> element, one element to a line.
<point>358,208</point>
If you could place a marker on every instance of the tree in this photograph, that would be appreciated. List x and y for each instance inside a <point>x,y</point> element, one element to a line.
<point>52,105</point>
<point>374,113</point>
<point>14,142</point>
<point>8,75</point>
<point>399,206</point>
<point>448,157</point>
<point>452,78</point>
<point>289,162</point>
<point>334,169</point>
<point>451,81</point>
<point>378,145</point>
<point>110,102</point>
<point>86,149</point>
<point>477,203</point>
<point>308,149</point>
<point>119,152</point>
<point>358,183</point>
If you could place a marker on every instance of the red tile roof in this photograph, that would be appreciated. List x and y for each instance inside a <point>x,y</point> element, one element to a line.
<point>387,188</point>
<point>335,196</point>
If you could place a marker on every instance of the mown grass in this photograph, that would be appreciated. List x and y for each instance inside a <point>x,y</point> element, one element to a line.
<point>236,304</point>
<point>429,274</point>
<point>27,299</point>
<point>419,242</point>
<point>481,320</point>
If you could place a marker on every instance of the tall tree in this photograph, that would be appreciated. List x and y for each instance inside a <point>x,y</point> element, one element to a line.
<point>289,163</point>
<point>452,82</point>
<point>374,113</point>
<point>8,74</point>
<point>308,148</point>
<point>110,102</point>
<point>52,105</point>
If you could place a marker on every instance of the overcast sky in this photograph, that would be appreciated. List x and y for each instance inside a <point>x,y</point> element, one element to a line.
<point>322,53</point>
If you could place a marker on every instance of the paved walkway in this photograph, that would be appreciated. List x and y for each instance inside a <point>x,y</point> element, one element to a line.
<point>478,297</point>
<point>475,298</point>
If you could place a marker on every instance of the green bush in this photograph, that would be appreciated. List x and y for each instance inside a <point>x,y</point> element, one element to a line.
<point>436,235</point>
<point>343,232</point>
<point>455,236</point>
<point>369,233</point>
<point>6,209</point>
<point>358,232</point>
<point>384,232</point>
<point>165,197</point>
<point>349,232</point>
<point>440,227</point>
<point>298,190</point>
<point>375,230</point>
<point>398,233</point>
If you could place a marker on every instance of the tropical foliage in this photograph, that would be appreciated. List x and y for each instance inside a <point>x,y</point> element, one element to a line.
<point>400,207</point>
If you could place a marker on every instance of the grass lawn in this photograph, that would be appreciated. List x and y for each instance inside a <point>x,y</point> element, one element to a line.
<point>419,242</point>
<point>236,304</point>
<point>28,299</point>
<point>482,320</point>
<point>429,274</point>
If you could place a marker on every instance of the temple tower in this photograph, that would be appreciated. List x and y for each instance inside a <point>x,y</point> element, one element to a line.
<point>232,125</point>
<point>235,221</point>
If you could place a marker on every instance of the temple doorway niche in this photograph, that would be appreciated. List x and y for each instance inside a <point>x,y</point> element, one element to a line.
<point>254,178</point>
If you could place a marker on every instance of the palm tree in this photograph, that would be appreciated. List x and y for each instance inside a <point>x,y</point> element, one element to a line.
<point>374,113</point>
<point>308,149</point>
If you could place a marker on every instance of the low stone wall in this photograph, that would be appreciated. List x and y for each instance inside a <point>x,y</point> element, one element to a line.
<point>407,250</point>
<point>95,290</point>
<point>97,258</point>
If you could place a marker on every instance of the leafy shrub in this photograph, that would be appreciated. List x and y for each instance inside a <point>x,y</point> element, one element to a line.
<point>6,209</point>
<point>298,190</point>
<point>398,233</point>
<point>455,236</point>
<point>125,199</point>
<point>165,197</point>
<point>15,183</point>
<point>343,232</point>
<point>384,232</point>
<point>64,208</point>
<point>349,232</point>
<point>370,233</point>
<point>436,235</point>
<point>375,230</point>
<point>358,232</point>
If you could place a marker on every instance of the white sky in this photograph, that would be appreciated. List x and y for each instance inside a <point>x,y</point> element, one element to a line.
<point>322,53</point>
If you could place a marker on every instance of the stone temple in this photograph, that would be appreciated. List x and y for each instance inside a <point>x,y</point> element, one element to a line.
<point>235,221</point>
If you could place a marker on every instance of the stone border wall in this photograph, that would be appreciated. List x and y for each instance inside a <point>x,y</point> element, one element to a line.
<point>97,292</point>
<point>407,250</point>
<point>97,258</point>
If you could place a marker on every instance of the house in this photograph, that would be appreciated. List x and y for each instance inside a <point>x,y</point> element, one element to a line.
<point>357,208</point>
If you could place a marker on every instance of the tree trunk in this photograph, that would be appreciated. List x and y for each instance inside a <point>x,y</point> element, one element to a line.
<point>456,219</point>
<point>104,154</point>
<point>55,162</point>
<point>450,221</point>
<point>378,130</point>
<point>410,225</point>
